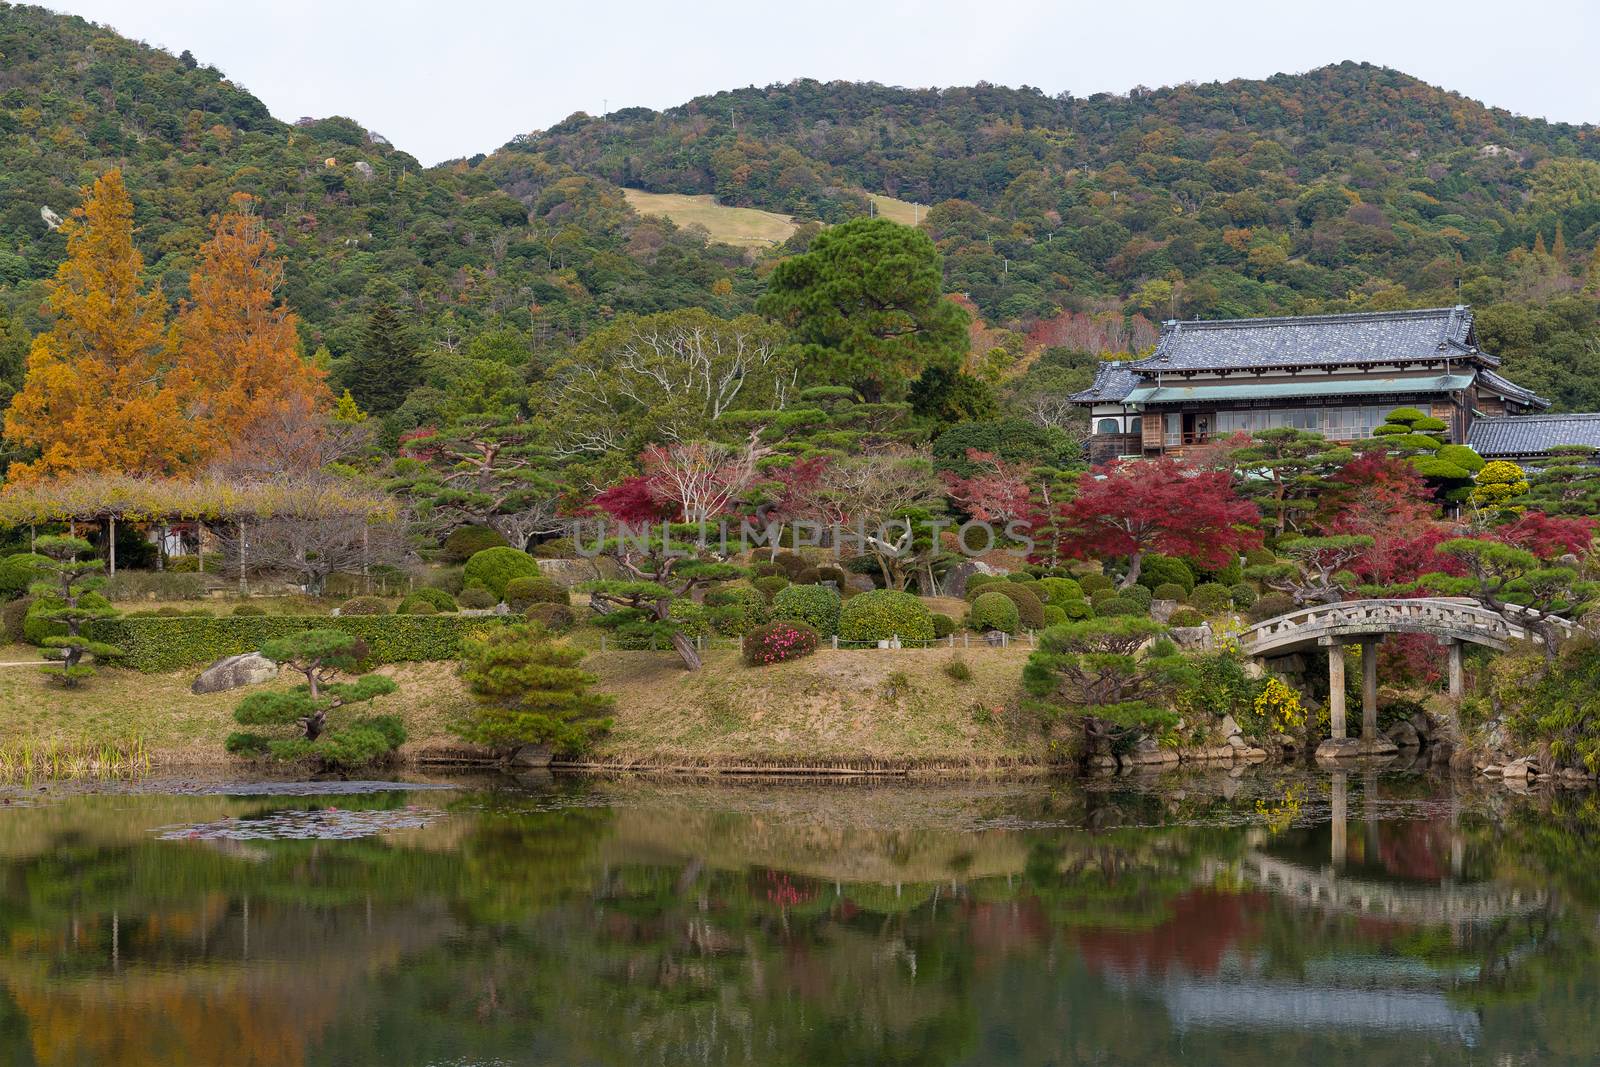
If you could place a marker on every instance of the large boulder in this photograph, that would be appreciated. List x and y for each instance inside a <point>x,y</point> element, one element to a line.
<point>235,672</point>
<point>955,579</point>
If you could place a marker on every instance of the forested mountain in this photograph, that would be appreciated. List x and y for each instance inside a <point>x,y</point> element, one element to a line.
<point>1070,222</point>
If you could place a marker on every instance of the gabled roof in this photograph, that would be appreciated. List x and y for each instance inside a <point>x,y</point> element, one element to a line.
<point>1532,435</point>
<point>1430,334</point>
<point>1113,381</point>
<point>1511,390</point>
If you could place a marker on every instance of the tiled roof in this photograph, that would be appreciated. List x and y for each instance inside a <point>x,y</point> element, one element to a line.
<point>1532,435</point>
<point>1316,340</point>
<point>1511,389</point>
<point>1112,382</point>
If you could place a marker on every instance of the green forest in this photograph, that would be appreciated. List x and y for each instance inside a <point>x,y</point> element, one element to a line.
<point>1069,225</point>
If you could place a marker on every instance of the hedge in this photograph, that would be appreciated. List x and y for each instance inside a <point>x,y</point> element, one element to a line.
<point>159,645</point>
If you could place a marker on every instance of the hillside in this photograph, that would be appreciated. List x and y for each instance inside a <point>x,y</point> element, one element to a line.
<point>1351,186</point>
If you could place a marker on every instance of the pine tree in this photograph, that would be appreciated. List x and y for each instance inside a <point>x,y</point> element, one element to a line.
<point>1559,248</point>
<point>94,398</point>
<point>66,596</point>
<point>237,351</point>
<point>387,364</point>
<point>530,691</point>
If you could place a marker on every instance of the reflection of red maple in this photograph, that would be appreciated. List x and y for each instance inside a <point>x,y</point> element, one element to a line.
<point>1419,850</point>
<point>1000,930</point>
<point>1203,926</point>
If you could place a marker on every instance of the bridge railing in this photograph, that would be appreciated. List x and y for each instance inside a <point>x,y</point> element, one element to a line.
<point>1455,614</point>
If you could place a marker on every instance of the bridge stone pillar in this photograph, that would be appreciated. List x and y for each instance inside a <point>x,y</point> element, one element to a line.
<point>1457,681</point>
<point>1369,688</point>
<point>1336,689</point>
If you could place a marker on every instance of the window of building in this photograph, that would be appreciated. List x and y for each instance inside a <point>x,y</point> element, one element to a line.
<point>1341,423</point>
<point>1109,426</point>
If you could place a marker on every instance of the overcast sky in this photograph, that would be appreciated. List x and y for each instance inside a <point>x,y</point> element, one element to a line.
<point>448,79</point>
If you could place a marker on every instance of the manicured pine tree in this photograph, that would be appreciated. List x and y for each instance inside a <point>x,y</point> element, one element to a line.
<point>1293,468</point>
<point>66,596</point>
<point>305,731</point>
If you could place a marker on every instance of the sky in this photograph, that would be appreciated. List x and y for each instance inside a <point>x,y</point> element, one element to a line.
<point>449,79</point>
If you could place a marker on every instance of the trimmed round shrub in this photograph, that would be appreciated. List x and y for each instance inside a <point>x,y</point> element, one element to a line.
<point>1271,605</point>
<point>249,609</point>
<point>691,618</point>
<point>13,615</point>
<point>1076,610</point>
<point>418,607</point>
<point>476,598</point>
<point>943,625</point>
<point>885,613</point>
<point>1021,576</point>
<point>1210,598</point>
<point>1060,590</point>
<point>1118,605</point>
<point>807,576</point>
<point>441,600</point>
<point>765,569</point>
<point>815,605</point>
<point>18,572</point>
<point>1186,617</point>
<point>555,548</point>
<point>1094,583</point>
<point>837,575</point>
<point>978,581</point>
<point>1169,591</point>
<point>1054,615</point>
<point>35,628</point>
<point>1100,596</point>
<point>521,592</point>
<point>1260,557</point>
<point>363,605</point>
<point>556,618</point>
<point>1030,609</point>
<point>1243,594</point>
<point>1157,570</point>
<point>465,542</point>
<point>770,585</point>
<point>730,620</point>
<point>1139,594</point>
<point>791,564</point>
<point>775,642</point>
<point>994,610</point>
<point>1229,575</point>
<point>493,568</point>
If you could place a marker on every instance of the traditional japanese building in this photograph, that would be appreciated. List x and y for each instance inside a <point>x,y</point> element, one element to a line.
<point>1338,375</point>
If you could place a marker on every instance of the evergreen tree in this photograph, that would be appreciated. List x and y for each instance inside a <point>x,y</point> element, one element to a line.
<point>530,691</point>
<point>387,364</point>
<point>66,596</point>
<point>1292,469</point>
<point>319,656</point>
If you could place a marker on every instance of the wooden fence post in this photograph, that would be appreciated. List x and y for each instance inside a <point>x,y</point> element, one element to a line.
<point>111,543</point>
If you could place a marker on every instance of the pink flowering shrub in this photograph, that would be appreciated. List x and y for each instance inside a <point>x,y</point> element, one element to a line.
<point>778,641</point>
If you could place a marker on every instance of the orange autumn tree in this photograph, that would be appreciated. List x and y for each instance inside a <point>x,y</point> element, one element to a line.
<point>94,398</point>
<point>236,359</point>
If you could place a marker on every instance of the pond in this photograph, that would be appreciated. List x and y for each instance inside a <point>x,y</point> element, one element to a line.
<point>1281,917</point>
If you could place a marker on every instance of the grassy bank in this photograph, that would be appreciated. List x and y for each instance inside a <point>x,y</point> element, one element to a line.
<point>866,708</point>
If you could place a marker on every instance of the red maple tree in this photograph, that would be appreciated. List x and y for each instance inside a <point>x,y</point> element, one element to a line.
<point>1158,505</point>
<point>997,492</point>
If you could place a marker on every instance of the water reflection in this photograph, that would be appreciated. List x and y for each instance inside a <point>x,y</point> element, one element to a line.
<point>1331,918</point>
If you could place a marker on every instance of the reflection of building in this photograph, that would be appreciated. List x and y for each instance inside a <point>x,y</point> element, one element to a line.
<point>1337,375</point>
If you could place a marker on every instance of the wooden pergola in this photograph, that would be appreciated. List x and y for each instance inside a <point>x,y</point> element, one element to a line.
<point>106,499</point>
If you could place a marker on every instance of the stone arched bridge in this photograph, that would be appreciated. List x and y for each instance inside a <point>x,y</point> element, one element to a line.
<point>1453,621</point>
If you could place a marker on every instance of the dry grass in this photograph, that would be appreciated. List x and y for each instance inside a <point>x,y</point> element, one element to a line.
<point>176,726</point>
<point>746,227</point>
<point>867,707</point>
<point>902,211</point>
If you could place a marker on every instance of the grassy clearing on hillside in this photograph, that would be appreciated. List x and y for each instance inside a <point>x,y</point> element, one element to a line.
<point>902,211</point>
<point>744,226</point>
<point>899,708</point>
